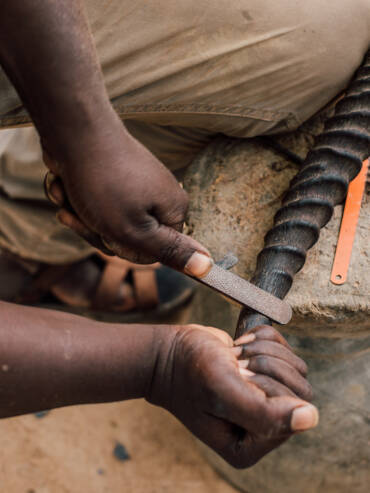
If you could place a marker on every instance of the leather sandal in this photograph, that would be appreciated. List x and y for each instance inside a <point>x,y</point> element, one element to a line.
<point>122,288</point>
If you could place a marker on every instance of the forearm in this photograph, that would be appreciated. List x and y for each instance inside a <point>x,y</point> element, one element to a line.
<point>47,50</point>
<point>51,359</point>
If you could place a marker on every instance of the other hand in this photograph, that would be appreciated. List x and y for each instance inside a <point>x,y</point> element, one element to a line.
<point>242,414</point>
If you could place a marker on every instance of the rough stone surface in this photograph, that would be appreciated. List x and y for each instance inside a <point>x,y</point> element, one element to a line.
<point>235,189</point>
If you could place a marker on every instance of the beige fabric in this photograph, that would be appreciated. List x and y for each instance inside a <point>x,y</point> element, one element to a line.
<point>180,72</point>
<point>28,226</point>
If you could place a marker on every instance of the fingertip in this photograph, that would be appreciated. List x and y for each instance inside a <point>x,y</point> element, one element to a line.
<point>49,162</point>
<point>70,221</point>
<point>246,373</point>
<point>244,363</point>
<point>48,182</point>
<point>304,418</point>
<point>64,217</point>
<point>55,193</point>
<point>237,351</point>
<point>198,265</point>
<point>245,339</point>
<point>303,367</point>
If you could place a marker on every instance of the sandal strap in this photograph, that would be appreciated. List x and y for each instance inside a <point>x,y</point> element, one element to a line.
<point>145,285</point>
<point>115,270</point>
<point>145,292</point>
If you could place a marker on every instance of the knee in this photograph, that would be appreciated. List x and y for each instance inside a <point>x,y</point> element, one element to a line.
<point>338,35</point>
<point>332,39</point>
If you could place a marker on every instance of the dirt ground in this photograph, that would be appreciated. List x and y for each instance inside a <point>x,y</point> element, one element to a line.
<point>129,447</point>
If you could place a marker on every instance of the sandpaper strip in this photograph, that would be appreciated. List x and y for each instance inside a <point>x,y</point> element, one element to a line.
<point>247,294</point>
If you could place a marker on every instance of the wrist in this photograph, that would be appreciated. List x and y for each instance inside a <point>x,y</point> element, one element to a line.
<point>124,361</point>
<point>158,391</point>
<point>77,361</point>
<point>74,137</point>
<point>120,363</point>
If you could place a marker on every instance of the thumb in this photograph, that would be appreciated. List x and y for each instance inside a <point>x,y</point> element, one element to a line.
<point>263,416</point>
<point>178,251</point>
<point>287,415</point>
<point>304,417</point>
<point>264,424</point>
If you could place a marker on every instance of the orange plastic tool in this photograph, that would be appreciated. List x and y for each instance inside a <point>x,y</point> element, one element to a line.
<point>348,228</point>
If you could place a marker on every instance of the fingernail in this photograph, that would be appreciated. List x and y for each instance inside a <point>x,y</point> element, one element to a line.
<point>246,339</point>
<point>52,198</point>
<point>56,195</point>
<point>198,265</point>
<point>60,217</point>
<point>49,179</point>
<point>237,351</point>
<point>246,373</point>
<point>304,418</point>
<point>244,363</point>
<point>63,217</point>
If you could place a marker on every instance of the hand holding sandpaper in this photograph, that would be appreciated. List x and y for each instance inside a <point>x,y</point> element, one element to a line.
<point>123,200</point>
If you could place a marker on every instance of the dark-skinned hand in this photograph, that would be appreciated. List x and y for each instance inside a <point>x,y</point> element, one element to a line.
<point>242,414</point>
<point>123,199</point>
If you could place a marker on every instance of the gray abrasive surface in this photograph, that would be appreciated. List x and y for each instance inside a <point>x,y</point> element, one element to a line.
<point>247,294</point>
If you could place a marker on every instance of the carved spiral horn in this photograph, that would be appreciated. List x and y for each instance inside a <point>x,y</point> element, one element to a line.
<point>320,185</point>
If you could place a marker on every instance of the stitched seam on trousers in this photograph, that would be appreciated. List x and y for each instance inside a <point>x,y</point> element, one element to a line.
<point>206,109</point>
<point>197,109</point>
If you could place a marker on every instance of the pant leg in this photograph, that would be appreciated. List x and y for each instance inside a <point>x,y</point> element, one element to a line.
<point>28,226</point>
<point>180,72</point>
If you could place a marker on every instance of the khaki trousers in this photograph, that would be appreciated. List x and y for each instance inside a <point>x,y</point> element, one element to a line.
<point>179,73</point>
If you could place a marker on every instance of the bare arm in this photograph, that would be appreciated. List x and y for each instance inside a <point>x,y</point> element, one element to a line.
<point>50,359</point>
<point>47,50</point>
